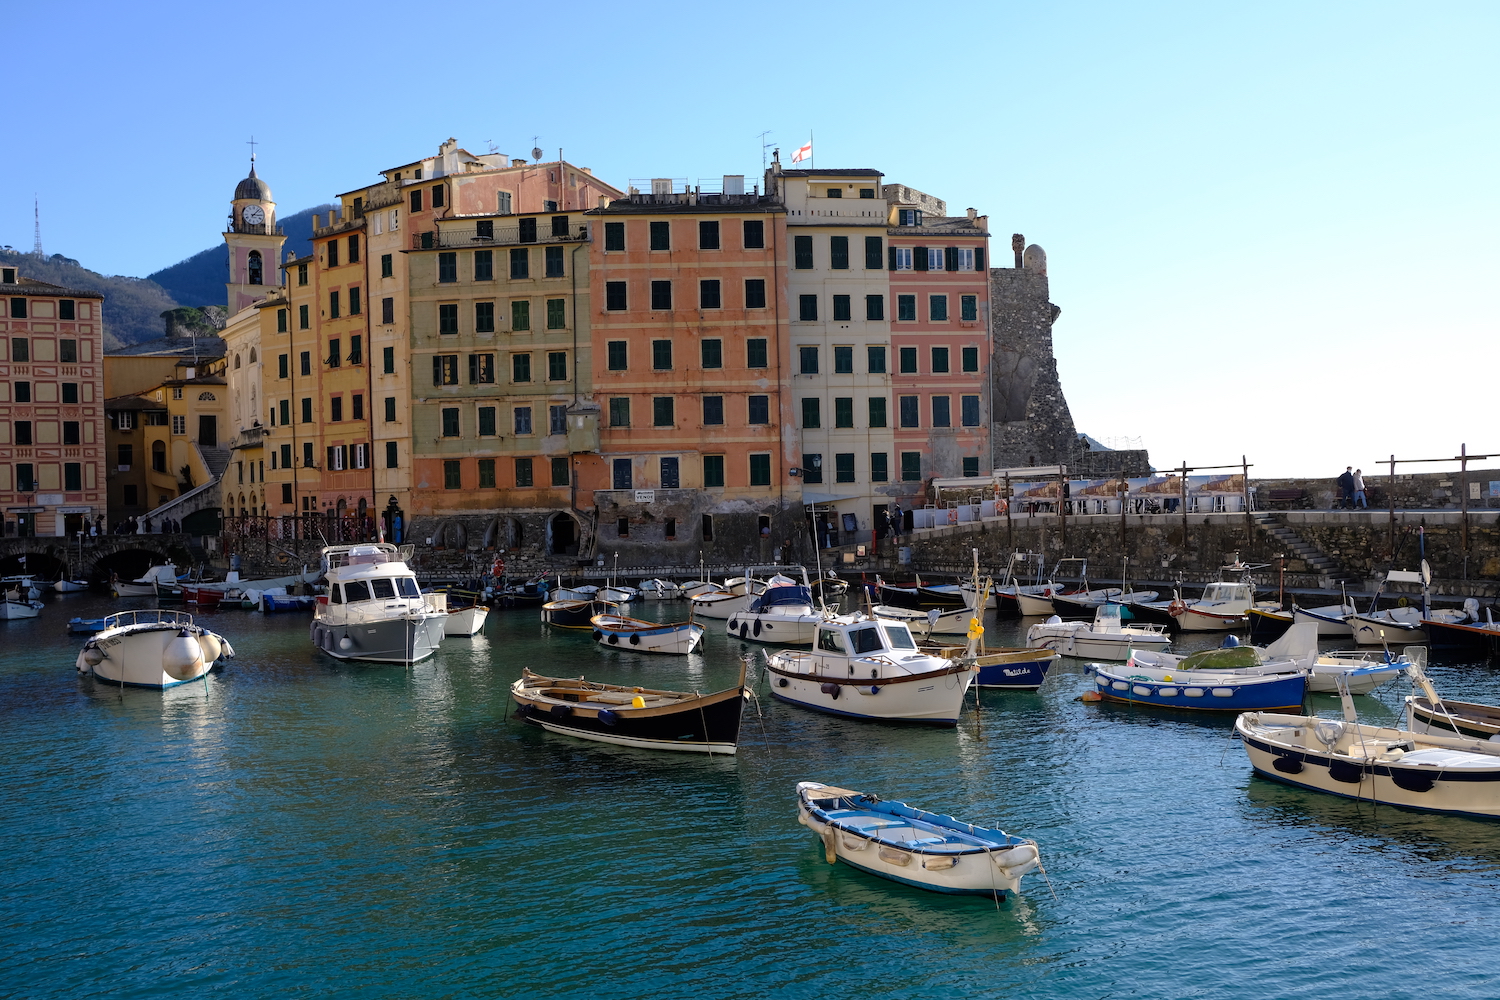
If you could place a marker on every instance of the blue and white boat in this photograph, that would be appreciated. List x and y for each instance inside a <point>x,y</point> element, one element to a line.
<point>913,846</point>
<point>783,616</point>
<point>1215,680</point>
<point>620,632</point>
<point>87,625</point>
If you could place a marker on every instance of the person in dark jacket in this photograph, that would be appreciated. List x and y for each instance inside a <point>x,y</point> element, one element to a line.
<point>1346,488</point>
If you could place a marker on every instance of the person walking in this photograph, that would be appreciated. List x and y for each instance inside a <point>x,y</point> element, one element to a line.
<point>1359,490</point>
<point>896,521</point>
<point>1346,488</point>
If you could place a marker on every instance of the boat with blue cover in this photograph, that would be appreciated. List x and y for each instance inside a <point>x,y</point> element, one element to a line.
<point>912,846</point>
<point>784,615</point>
<point>87,625</point>
<point>1215,680</point>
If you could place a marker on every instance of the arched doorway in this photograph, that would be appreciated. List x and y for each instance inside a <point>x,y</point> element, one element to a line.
<point>562,533</point>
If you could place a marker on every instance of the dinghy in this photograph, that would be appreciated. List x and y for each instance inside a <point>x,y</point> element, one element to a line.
<point>684,721</point>
<point>913,846</point>
<point>618,631</point>
<point>573,613</point>
<point>153,649</point>
<point>466,621</point>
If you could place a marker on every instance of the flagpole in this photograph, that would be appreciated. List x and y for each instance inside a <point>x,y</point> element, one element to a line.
<point>812,155</point>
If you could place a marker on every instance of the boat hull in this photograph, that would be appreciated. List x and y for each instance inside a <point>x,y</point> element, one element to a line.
<point>1210,694</point>
<point>1014,670</point>
<point>10,610</point>
<point>1368,630</point>
<point>466,621</point>
<point>393,640</point>
<point>152,655</point>
<point>134,589</point>
<point>1090,645</point>
<point>571,613</point>
<point>1454,635</point>
<point>1333,622</point>
<point>1030,605</point>
<point>706,606</point>
<point>936,698</point>
<point>708,724</point>
<point>632,635</point>
<point>1479,721</point>
<point>1267,624</point>
<point>775,630</point>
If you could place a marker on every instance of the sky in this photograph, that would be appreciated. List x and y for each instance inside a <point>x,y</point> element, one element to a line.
<point>1270,227</point>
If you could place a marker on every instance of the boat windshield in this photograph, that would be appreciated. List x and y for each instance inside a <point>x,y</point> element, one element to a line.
<point>830,640</point>
<point>356,590</point>
<point>383,588</point>
<point>335,595</point>
<point>407,585</point>
<point>866,640</point>
<point>900,637</point>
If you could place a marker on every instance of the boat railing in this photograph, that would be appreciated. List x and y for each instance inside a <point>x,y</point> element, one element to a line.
<point>366,554</point>
<point>147,617</point>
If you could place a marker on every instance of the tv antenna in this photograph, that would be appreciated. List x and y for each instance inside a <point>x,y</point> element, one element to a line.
<point>764,145</point>
<point>36,208</point>
<point>493,147</point>
<point>536,150</point>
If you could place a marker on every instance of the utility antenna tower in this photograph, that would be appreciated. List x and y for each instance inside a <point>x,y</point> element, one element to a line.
<point>36,211</point>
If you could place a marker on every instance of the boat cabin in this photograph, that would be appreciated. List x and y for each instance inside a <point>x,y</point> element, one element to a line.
<point>1229,593</point>
<point>865,638</point>
<point>380,588</point>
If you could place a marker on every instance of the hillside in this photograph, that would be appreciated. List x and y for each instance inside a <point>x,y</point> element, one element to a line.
<point>132,306</point>
<point>199,280</point>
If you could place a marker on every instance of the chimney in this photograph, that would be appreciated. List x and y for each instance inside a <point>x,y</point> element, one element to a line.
<point>603,201</point>
<point>973,214</point>
<point>1018,244</point>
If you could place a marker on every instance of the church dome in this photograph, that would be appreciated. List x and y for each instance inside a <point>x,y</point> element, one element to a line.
<point>252,188</point>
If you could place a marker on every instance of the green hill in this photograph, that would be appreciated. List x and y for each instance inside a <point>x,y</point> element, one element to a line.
<point>199,280</point>
<point>132,306</point>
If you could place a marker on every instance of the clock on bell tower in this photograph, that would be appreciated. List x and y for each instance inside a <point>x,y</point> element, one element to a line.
<point>255,242</point>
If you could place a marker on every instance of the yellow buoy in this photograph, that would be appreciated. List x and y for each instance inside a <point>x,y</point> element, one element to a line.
<point>638,702</point>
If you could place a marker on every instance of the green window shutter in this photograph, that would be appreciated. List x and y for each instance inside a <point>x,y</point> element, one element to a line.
<point>950,258</point>
<point>979,258</point>
<point>893,258</point>
<point>919,258</point>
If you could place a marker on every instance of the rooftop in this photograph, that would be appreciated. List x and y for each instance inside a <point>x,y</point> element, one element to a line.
<point>30,286</point>
<point>852,172</point>
<point>166,347</point>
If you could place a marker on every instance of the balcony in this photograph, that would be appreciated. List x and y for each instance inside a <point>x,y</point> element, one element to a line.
<point>264,229</point>
<point>481,236</point>
<point>248,437</point>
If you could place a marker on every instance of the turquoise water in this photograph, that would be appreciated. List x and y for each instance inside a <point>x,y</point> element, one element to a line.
<point>297,826</point>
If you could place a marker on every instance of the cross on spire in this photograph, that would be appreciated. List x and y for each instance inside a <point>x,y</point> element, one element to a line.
<point>252,144</point>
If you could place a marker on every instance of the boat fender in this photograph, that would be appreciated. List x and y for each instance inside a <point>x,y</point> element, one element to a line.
<point>744,630</point>
<point>608,718</point>
<point>855,843</point>
<point>93,655</point>
<point>1347,772</point>
<point>614,640</point>
<point>560,711</point>
<point>733,624</point>
<point>1230,642</point>
<point>597,634</point>
<point>523,710</point>
<point>829,853</point>
<point>346,643</point>
<point>1412,781</point>
<point>638,702</point>
<point>1176,608</point>
<point>1054,620</point>
<point>756,629</point>
<point>183,656</point>
<point>635,640</point>
<point>874,688</point>
<point>830,689</point>
<point>1287,765</point>
<point>939,862</point>
<point>894,857</point>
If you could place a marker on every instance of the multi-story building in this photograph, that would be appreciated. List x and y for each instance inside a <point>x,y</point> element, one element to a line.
<point>244,483</point>
<point>254,241</point>
<point>939,340</point>
<point>52,438</point>
<point>691,358</point>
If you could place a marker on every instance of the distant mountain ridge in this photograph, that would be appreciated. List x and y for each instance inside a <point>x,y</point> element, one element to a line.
<point>199,280</point>
<point>132,306</point>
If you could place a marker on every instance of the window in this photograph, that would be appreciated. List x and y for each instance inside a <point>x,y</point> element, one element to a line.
<point>557,314</point>
<point>305,362</point>
<point>131,496</point>
<point>614,236</point>
<point>450,421</point>
<point>708,294</point>
<point>65,309</point>
<point>841,309</point>
<point>124,455</point>
<point>67,350</point>
<point>447,268</point>
<point>970,357</point>
<point>880,471</point>
<point>619,355</point>
<point>808,360</point>
<point>755,352</point>
<point>619,411</point>
<point>502,203</point>
<point>388,360</point>
<point>391,455</point>
<point>755,293</point>
<point>760,469</point>
<point>486,473</point>
<point>661,236</point>
<point>622,525</point>
<point>448,318</point>
<point>20,348</point>
<point>622,474</point>
<point>802,253</point>
<point>911,466</point>
<point>560,472</point>
<point>333,256</point>
<point>387,311</point>
<point>942,411</point>
<point>23,392</point>
<point>484,265</point>
<point>334,359</point>
<point>838,253</point>
<point>968,308</point>
<point>713,478</point>
<point>906,308</point>
<point>390,409</point>
<point>843,411</point>
<point>901,259</point>
<point>557,366</point>
<point>286,412</point>
<point>874,253</point>
<point>481,369</point>
<point>23,432</point>
<point>125,421</point>
<point>437,196</point>
<point>520,367</point>
<point>179,422</point>
<point>452,477</point>
<point>708,235</point>
<point>520,315</point>
<point>281,321</point>
<point>910,412</point>
<point>962,258</point>
<point>70,393</point>
<point>72,476</point>
<point>661,355</point>
<point>614,296</point>
<point>908,357</point>
<point>661,295</point>
<point>557,419</point>
<point>807,308</point>
<point>755,234</point>
<point>484,317</point>
<point>835,192</point>
<point>552,262</point>
<point>712,351</point>
<point>877,411</point>
<point>301,274</point>
<point>663,411</point>
<point>713,411</point>
<point>669,525</point>
<point>759,409</point>
<point>875,358</point>
<point>387,268</point>
<point>336,408</point>
<point>416,201</point>
<point>520,262</point>
<point>445,369</point>
<point>843,468</point>
<point>487,425</point>
<point>940,359</point>
<point>843,360</point>
<point>969,410</point>
<point>971,467</point>
<point>356,350</point>
<point>935,259</point>
<point>335,460</point>
<point>307,416</point>
<point>812,411</point>
<point>937,308</point>
<point>18,308</point>
<point>812,468</point>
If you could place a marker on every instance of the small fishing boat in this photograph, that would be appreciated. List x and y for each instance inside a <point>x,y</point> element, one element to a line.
<point>933,621</point>
<point>1430,714</point>
<point>1268,623</point>
<point>1332,620</point>
<point>920,596</point>
<point>1401,624</point>
<point>466,621</point>
<point>1225,607</point>
<point>561,593</point>
<point>1010,587</point>
<point>149,584</point>
<point>913,846</point>
<point>1004,668</point>
<point>529,594</point>
<point>154,649</point>
<point>374,610</point>
<point>1476,635</point>
<point>693,588</point>
<point>657,589</point>
<point>1105,638</point>
<point>204,597</point>
<point>65,585</point>
<point>783,615</point>
<point>870,668</point>
<point>1214,680</point>
<point>1415,770</point>
<point>828,588</point>
<point>272,603</point>
<point>684,721</point>
<point>737,592</point>
<point>13,606</point>
<point>676,638</point>
<point>24,584</point>
<point>86,625</point>
<point>573,613</point>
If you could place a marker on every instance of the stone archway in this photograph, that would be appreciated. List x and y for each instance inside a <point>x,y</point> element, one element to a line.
<point>562,534</point>
<point>502,533</point>
<point>451,534</point>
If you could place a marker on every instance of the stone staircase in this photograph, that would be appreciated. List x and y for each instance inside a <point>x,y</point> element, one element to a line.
<point>217,459</point>
<point>1328,569</point>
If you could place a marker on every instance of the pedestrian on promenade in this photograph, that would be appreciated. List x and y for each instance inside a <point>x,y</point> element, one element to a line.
<point>1359,490</point>
<point>896,521</point>
<point>1346,488</point>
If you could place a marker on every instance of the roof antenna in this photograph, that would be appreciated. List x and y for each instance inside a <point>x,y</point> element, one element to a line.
<point>764,145</point>
<point>536,150</point>
<point>36,209</point>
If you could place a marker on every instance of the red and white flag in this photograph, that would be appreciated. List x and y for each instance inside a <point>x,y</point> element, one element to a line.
<point>805,153</point>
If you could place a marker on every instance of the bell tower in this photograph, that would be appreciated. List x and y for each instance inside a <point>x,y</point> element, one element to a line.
<point>254,241</point>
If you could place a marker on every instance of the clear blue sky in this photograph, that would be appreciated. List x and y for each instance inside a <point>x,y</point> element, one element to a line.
<point>1271,228</point>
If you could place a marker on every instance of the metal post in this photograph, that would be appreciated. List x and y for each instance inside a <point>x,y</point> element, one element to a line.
<point>1062,505</point>
<point>1463,498</point>
<point>1391,496</point>
<point>1249,520</point>
<point>1182,502</point>
<point>1010,527</point>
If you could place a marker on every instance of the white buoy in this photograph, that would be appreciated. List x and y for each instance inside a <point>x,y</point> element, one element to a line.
<point>183,657</point>
<point>210,645</point>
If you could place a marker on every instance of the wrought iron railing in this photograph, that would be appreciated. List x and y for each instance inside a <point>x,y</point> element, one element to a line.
<point>481,236</point>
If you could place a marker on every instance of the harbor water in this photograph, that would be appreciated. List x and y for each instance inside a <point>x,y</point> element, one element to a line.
<point>299,826</point>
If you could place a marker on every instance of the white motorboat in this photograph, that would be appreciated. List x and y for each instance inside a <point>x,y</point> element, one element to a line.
<point>154,649</point>
<point>913,846</point>
<point>374,610</point>
<point>735,595</point>
<point>635,635</point>
<point>1105,638</point>
<point>1224,607</point>
<point>14,606</point>
<point>933,621</point>
<point>693,588</point>
<point>618,595</point>
<point>870,668</point>
<point>588,593</point>
<point>154,581</point>
<point>1332,620</point>
<point>25,584</point>
<point>466,621</point>
<point>657,589</point>
<point>783,615</point>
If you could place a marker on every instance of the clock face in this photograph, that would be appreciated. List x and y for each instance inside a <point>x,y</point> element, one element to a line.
<point>253,215</point>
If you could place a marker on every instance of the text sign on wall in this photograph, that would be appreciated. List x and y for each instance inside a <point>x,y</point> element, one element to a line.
<point>645,496</point>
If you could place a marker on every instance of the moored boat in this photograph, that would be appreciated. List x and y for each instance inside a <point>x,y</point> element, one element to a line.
<point>152,583</point>
<point>374,610</point>
<point>154,649</point>
<point>933,621</point>
<point>573,613</point>
<point>1332,620</point>
<point>650,719</point>
<point>1479,636</point>
<point>1224,607</point>
<point>86,625</point>
<point>466,621</point>
<point>657,589</point>
<point>1105,638</point>
<point>913,846</point>
<point>13,606</point>
<point>1214,680</point>
<point>635,635</point>
<point>24,584</point>
<point>783,615</point>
